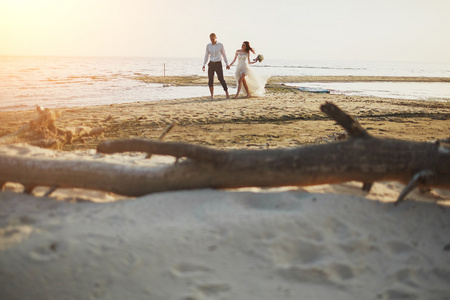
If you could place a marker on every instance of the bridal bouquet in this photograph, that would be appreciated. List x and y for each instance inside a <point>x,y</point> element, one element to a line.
<point>259,58</point>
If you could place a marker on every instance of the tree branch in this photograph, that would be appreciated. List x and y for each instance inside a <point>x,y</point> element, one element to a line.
<point>350,124</point>
<point>361,158</point>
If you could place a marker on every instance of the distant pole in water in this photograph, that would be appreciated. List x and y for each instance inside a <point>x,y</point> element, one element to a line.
<point>164,69</point>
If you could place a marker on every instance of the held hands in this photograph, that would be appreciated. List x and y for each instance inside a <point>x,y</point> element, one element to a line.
<point>228,67</point>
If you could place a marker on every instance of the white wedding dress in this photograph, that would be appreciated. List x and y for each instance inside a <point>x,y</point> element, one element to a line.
<point>255,82</point>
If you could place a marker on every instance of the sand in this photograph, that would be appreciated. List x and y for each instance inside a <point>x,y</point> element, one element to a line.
<point>286,117</point>
<point>320,242</point>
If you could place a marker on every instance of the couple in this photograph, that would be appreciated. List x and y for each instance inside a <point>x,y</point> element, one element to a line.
<point>245,77</point>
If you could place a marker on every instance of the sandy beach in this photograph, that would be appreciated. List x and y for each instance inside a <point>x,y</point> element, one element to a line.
<point>318,242</point>
<point>286,117</point>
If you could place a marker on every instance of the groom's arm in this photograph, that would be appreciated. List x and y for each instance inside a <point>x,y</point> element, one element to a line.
<point>224,55</point>
<point>206,57</point>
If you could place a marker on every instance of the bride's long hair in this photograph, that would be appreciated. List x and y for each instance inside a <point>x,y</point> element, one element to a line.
<point>248,48</point>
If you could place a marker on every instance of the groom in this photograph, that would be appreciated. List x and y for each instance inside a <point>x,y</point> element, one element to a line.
<point>215,51</point>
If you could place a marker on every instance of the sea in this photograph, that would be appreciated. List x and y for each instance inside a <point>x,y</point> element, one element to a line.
<point>56,82</point>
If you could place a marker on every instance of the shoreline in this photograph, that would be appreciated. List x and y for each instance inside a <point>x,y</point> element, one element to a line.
<point>196,80</point>
<point>155,88</point>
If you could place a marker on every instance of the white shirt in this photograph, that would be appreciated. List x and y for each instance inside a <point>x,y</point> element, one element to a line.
<point>215,53</point>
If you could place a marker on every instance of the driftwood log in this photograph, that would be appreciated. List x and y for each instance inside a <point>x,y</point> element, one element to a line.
<point>359,158</point>
<point>43,132</point>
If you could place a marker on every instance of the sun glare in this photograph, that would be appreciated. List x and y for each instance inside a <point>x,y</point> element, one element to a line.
<point>31,26</point>
<point>70,27</point>
<point>312,29</point>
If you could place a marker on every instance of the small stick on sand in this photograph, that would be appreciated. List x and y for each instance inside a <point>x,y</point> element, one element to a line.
<point>163,135</point>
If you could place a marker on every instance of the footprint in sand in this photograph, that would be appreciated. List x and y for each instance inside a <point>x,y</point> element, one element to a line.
<point>305,275</point>
<point>398,248</point>
<point>211,289</point>
<point>297,252</point>
<point>327,274</point>
<point>341,230</point>
<point>198,273</point>
<point>13,235</point>
<point>189,269</point>
<point>396,294</point>
<point>48,251</point>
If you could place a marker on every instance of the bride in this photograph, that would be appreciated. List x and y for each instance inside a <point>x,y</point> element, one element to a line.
<point>253,84</point>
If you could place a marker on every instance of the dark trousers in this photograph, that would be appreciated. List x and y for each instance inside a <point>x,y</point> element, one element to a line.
<point>216,67</point>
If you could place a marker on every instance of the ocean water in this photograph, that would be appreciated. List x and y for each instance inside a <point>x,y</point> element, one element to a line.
<point>84,81</point>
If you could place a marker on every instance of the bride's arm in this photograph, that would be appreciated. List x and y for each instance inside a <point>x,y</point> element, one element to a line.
<point>235,56</point>
<point>250,62</point>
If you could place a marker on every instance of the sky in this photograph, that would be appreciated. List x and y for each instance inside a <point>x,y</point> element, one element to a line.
<point>371,30</point>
